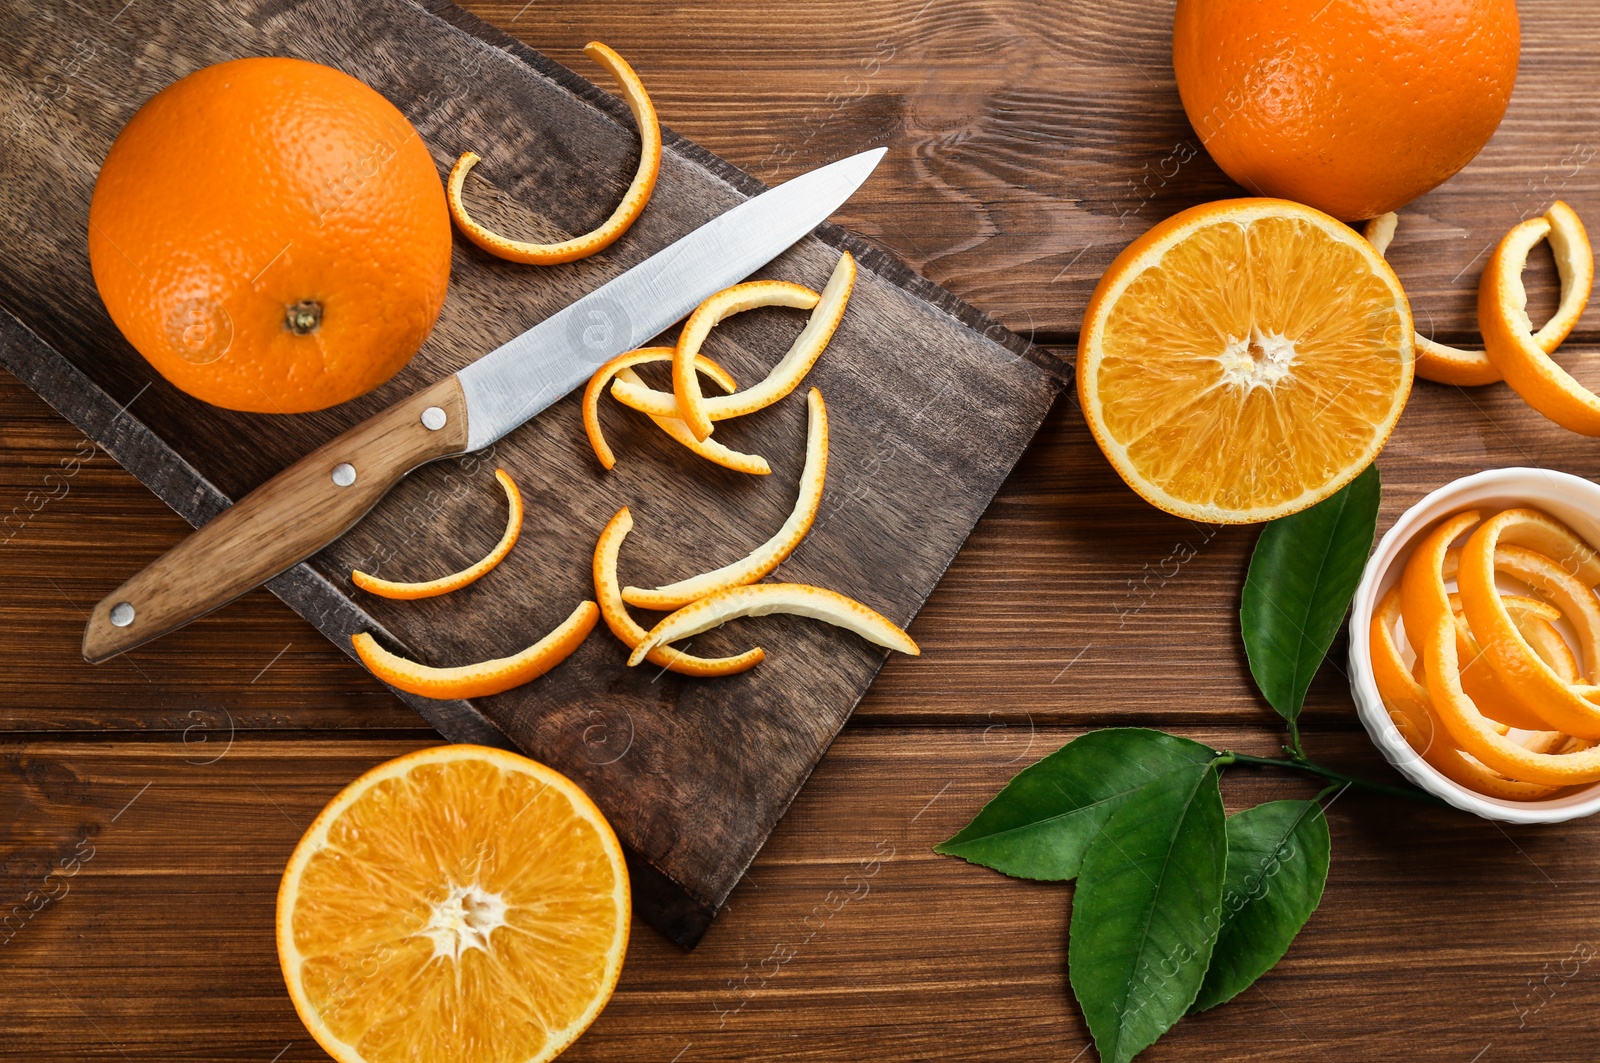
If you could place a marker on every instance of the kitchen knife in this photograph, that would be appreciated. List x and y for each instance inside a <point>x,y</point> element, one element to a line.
<point>317,499</point>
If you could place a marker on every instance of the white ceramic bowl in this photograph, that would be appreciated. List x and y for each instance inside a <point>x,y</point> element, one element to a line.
<point>1566,497</point>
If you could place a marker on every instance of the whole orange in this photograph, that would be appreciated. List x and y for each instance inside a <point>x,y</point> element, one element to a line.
<point>1355,107</point>
<point>271,235</point>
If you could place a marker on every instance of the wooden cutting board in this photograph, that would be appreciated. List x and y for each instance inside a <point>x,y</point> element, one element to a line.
<point>931,404</point>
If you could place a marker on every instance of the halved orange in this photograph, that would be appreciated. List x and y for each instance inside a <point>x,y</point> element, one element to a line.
<point>1244,360</point>
<point>457,905</point>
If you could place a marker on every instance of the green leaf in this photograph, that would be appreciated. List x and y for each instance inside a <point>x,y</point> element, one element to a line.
<point>1146,911</point>
<point>1302,576</point>
<point>1277,864</point>
<point>1039,825</point>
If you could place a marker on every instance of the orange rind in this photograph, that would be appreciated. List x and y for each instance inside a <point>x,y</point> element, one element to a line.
<point>770,554</point>
<point>621,367</point>
<point>707,448</point>
<point>1437,362</point>
<point>827,310</point>
<point>622,625</point>
<point>1413,714</point>
<point>1433,635</point>
<point>455,581</point>
<point>1521,355</point>
<point>485,677</point>
<point>633,200</point>
<point>1520,669</point>
<point>764,599</point>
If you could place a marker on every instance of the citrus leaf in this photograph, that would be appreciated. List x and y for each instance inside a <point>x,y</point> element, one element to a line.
<point>1145,914</point>
<point>1278,857</point>
<point>1039,825</point>
<point>1302,576</point>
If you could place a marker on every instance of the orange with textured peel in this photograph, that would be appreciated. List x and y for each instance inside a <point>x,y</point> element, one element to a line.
<point>456,905</point>
<point>1355,107</point>
<point>271,235</point>
<point>1243,360</point>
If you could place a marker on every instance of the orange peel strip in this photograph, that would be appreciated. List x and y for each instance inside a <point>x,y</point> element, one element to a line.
<point>764,599</point>
<point>1414,716</point>
<point>707,448</point>
<point>1424,595</point>
<point>826,313</point>
<point>622,366</point>
<point>1522,355</point>
<point>1478,677</point>
<point>633,200</point>
<point>1451,365</point>
<point>1435,361</point>
<point>1521,671</point>
<point>485,677</point>
<point>622,625</point>
<point>770,554</point>
<point>456,580</point>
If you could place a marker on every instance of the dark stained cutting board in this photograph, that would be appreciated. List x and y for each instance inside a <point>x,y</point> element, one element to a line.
<point>931,404</point>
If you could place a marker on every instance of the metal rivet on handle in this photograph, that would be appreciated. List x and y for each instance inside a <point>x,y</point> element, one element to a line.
<point>433,418</point>
<point>122,614</point>
<point>344,474</point>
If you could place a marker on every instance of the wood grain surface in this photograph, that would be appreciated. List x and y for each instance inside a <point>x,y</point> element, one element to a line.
<point>1073,605</point>
<point>932,404</point>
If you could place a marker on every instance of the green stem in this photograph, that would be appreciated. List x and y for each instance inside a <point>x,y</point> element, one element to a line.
<point>1295,750</point>
<point>1302,764</point>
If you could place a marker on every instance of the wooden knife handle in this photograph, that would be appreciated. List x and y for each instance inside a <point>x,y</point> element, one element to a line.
<point>282,522</point>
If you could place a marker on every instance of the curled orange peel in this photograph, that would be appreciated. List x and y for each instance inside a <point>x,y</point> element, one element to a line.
<point>826,313</point>
<point>621,367</point>
<point>622,625</point>
<point>770,554</point>
<point>485,677</point>
<point>688,402</point>
<point>1521,355</point>
<point>763,599</point>
<point>707,448</point>
<point>1478,677</point>
<point>1413,714</point>
<point>1520,669</point>
<point>633,200</point>
<point>1435,361</point>
<point>1451,365</point>
<point>1424,596</point>
<point>456,580</point>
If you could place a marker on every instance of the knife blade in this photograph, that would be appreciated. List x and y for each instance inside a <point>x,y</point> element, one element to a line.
<point>318,499</point>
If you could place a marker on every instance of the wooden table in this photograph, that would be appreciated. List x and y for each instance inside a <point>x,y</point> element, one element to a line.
<point>1028,143</point>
